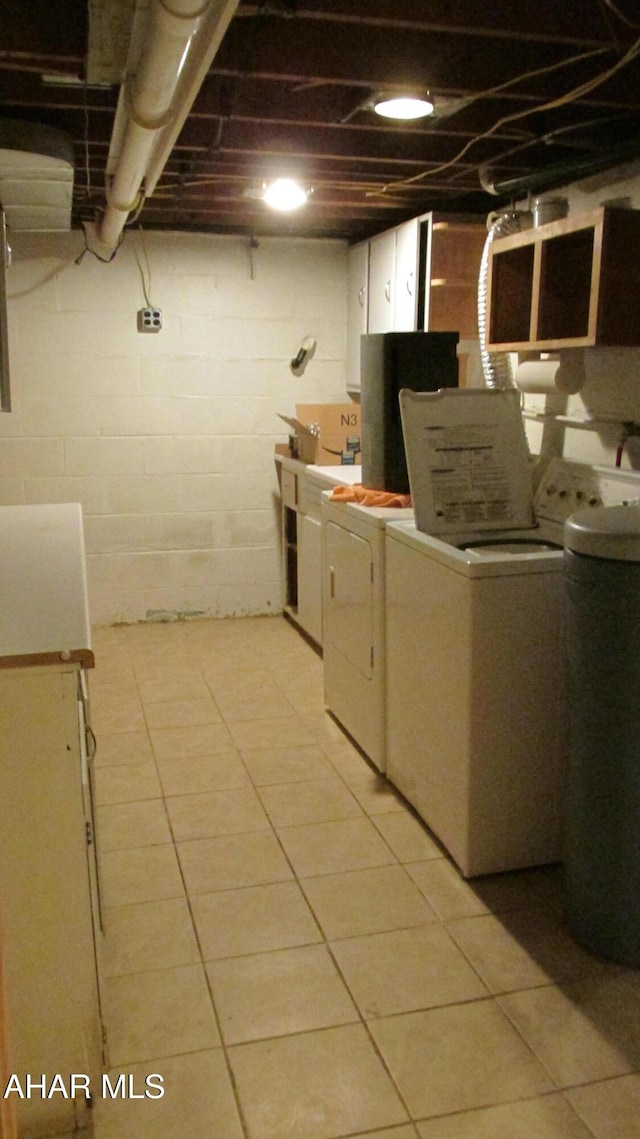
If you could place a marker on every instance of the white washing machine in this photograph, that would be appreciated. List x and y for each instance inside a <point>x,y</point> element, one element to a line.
<point>476,700</point>
<point>353,624</point>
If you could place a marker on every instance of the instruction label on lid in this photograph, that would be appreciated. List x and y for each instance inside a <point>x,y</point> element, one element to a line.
<point>470,480</point>
<point>467,460</point>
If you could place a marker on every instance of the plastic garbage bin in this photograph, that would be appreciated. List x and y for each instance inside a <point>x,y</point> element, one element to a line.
<point>602,837</point>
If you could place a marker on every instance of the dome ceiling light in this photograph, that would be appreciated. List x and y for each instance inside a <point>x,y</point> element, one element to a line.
<point>406,107</point>
<point>285,194</point>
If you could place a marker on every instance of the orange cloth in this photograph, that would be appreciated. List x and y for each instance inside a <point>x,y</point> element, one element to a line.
<point>365,497</point>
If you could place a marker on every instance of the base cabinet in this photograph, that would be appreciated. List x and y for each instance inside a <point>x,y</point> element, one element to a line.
<point>48,891</point>
<point>349,611</point>
<point>310,576</point>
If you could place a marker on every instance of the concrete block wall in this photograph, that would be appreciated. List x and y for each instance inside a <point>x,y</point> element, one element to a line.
<point>167,439</point>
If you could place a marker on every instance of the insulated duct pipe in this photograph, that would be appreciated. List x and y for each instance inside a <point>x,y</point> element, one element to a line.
<point>496,366</point>
<point>179,43</point>
<point>561,173</point>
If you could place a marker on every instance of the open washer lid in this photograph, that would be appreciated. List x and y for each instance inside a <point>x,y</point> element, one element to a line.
<point>467,459</point>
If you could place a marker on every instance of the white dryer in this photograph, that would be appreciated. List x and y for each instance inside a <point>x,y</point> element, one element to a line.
<point>353,624</point>
<point>476,696</point>
<point>316,479</point>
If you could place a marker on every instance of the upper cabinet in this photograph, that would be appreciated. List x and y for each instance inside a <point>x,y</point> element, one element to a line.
<point>357,309</point>
<point>405,301</point>
<point>450,267</point>
<point>382,285</point>
<point>422,274</point>
<point>393,279</point>
<point>572,283</point>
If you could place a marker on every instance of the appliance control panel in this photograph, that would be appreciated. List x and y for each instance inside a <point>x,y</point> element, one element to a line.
<point>566,487</point>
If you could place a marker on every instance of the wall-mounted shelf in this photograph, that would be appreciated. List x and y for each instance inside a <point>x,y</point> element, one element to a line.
<point>572,283</point>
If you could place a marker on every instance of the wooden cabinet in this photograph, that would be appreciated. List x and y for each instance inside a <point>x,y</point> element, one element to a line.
<point>50,909</point>
<point>451,251</point>
<point>572,283</point>
<point>289,497</point>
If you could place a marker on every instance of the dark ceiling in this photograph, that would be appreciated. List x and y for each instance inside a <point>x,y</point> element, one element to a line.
<point>528,96</point>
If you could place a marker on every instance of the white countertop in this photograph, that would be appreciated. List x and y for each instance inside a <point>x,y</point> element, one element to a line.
<point>334,473</point>
<point>44,609</point>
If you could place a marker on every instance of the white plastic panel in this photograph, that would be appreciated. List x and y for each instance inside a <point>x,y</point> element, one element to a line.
<point>43,580</point>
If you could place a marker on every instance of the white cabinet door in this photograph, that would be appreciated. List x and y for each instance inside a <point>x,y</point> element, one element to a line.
<point>405,311</point>
<point>348,614</point>
<point>393,279</point>
<point>357,309</point>
<point>53,1008</point>
<point>382,264</point>
<point>310,576</point>
<point>88,747</point>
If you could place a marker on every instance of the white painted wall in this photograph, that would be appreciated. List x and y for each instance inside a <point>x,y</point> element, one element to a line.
<point>167,439</point>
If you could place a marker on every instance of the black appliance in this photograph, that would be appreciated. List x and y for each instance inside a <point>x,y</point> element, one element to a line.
<point>390,361</point>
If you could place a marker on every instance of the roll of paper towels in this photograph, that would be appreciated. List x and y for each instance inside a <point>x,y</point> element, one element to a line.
<point>551,375</point>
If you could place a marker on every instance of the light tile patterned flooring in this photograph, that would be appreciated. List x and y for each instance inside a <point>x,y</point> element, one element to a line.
<point>289,947</point>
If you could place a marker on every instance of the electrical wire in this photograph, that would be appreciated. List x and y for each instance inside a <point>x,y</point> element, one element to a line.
<point>552,136</point>
<point>88,249</point>
<point>375,188</point>
<point>546,70</point>
<point>146,285</point>
<point>621,16</point>
<point>561,100</point>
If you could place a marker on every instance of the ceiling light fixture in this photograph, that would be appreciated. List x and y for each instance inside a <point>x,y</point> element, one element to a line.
<point>403,106</point>
<point>285,194</point>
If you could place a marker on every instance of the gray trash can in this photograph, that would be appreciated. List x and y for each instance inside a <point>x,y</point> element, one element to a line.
<point>602,837</point>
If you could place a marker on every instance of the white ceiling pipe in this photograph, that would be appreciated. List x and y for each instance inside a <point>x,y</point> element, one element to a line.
<point>201,55</point>
<point>145,102</point>
<point>168,77</point>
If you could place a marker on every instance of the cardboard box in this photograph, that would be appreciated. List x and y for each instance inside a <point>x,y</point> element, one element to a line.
<point>326,434</point>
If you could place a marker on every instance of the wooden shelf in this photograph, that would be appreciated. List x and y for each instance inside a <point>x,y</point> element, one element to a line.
<point>572,283</point>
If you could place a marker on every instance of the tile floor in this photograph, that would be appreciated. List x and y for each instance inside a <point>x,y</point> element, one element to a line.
<point>290,949</point>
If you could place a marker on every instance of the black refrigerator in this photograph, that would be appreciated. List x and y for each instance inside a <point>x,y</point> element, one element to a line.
<point>390,361</point>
